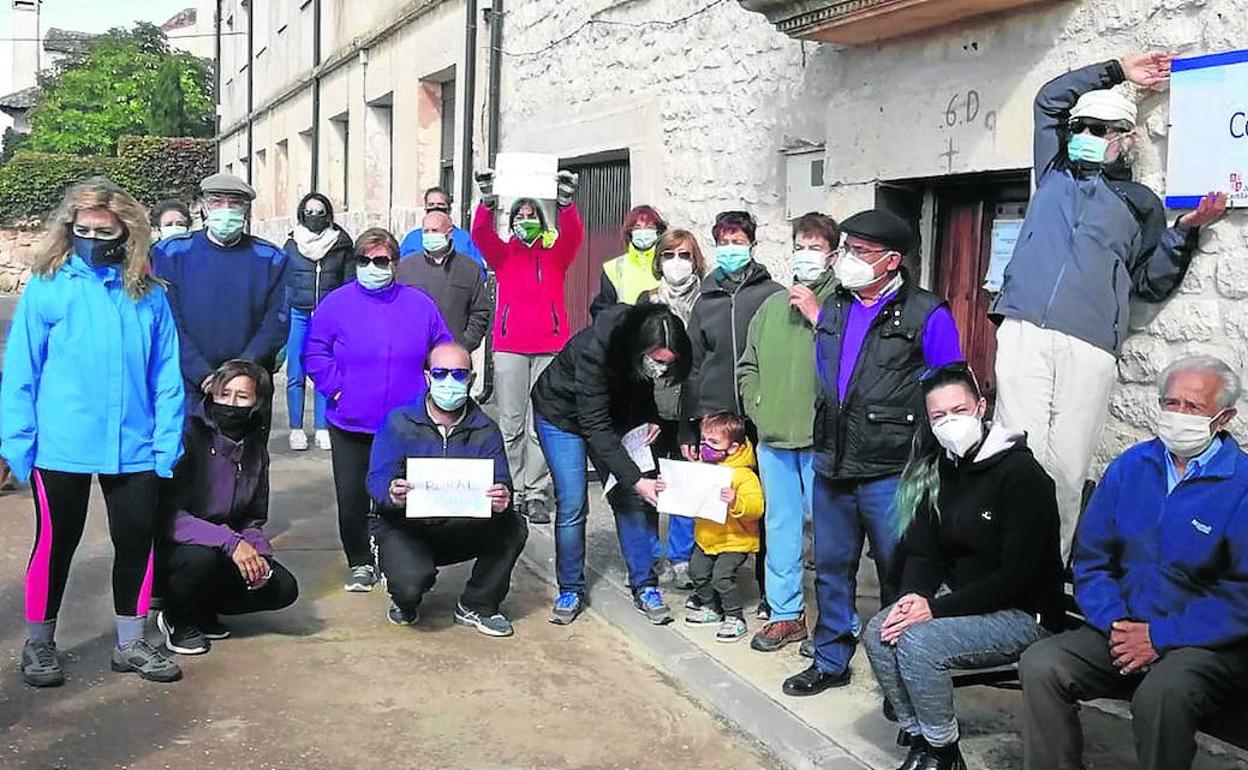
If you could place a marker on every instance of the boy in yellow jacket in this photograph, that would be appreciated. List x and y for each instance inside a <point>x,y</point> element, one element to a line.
<point>721,549</point>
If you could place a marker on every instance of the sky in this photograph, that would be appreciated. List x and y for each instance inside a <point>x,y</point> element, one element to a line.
<point>97,15</point>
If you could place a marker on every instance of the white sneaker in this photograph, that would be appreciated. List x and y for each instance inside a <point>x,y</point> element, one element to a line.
<point>298,440</point>
<point>322,439</point>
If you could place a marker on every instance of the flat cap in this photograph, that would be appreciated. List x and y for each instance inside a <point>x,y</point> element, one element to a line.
<point>227,183</point>
<point>882,227</point>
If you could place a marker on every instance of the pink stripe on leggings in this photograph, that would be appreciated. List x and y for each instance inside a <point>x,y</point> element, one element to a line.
<point>145,590</point>
<point>39,571</point>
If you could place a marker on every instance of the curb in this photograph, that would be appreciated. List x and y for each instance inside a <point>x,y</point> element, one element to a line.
<point>786,737</point>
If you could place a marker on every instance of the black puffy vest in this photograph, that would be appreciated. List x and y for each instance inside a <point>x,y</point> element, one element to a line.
<point>869,435</point>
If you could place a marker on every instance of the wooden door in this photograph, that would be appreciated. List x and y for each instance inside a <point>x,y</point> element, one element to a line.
<point>603,199</point>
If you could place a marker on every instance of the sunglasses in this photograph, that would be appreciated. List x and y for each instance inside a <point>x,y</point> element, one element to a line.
<point>959,368</point>
<point>383,262</point>
<point>433,208</point>
<point>441,373</point>
<point>1096,129</point>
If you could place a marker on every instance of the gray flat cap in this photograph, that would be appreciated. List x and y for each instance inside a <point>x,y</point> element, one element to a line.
<point>227,183</point>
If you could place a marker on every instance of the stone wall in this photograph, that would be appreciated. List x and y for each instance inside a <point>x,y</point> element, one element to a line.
<point>16,250</point>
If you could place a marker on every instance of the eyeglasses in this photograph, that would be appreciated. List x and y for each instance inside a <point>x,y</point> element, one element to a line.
<point>441,373</point>
<point>212,200</point>
<point>860,253</point>
<point>363,260</point>
<point>682,254</point>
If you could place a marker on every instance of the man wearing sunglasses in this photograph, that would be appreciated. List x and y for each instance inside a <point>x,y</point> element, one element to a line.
<point>445,423</point>
<point>1092,239</point>
<point>227,288</point>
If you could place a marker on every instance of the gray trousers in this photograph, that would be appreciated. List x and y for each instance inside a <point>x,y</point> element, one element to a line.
<point>514,377</point>
<point>1168,702</point>
<point>714,579</point>
<point>914,673</point>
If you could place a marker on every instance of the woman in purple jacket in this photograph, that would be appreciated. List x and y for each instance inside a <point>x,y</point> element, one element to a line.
<point>366,353</point>
<point>218,560</point>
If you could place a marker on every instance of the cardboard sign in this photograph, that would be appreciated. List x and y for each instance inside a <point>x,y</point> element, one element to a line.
<point>526,175</point>
<point>1208,139</point>
<point>693,489</point>
<point>454,488</point>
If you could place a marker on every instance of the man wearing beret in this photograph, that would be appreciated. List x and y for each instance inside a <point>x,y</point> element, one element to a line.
<point>226,287</point>
<point>876,335</point>
<point>1092,239</point>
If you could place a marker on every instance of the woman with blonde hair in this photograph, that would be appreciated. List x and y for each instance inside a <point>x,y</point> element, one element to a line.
<point>92,386</point>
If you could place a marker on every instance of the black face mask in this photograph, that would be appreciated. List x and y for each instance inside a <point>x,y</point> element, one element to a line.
<point>100,253</point>
<point>316,222</point>
<point>234,422</point>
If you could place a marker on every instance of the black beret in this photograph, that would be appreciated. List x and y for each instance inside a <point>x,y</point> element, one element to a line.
<point>882,227</point>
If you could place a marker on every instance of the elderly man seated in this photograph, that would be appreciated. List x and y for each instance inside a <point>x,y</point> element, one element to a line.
<point>446,423</point>
<point>1161,572</point>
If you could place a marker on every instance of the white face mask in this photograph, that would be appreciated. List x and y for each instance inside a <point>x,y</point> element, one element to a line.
<point>168,231</point>
<point>677,270</point>
<point>958,432</point>
<point>854,272</point>
<point>808,264</point>
<point>645,237</point>
<point>373,278</point>
<point>1185,435</point>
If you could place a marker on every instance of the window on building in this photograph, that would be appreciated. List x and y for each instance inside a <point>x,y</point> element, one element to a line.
<point>341,158</point>
<point>260,181</point>
<point>446,174</point>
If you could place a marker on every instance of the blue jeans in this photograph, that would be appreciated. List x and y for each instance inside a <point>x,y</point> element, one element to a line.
<point>788,488</point>
<point>636,522</point>
<point>295,375</point>
<point>845,511</point>
<point>679,545</point>
<point>914,674</point>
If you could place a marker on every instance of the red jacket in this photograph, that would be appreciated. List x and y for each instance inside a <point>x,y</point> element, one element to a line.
<point>532,315</point>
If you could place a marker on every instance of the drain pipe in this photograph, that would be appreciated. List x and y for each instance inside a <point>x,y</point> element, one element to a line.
<point>251,83</point>
<point>494,15</point>
<point>216,76</point>
<point>470,98</point>
<point>316,96</point>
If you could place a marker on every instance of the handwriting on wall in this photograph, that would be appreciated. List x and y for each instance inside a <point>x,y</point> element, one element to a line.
<point>964,110</point>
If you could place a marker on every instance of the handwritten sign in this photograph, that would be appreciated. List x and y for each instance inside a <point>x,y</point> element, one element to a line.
<point>526,175</point>
<point>1208,140</point>
<point>693,489</point>
<point>449,488</point>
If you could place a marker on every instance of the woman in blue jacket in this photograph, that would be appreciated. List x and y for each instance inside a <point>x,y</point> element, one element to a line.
<point>92,386</point>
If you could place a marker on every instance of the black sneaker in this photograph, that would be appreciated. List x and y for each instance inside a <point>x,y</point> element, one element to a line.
<point>142,658</point>
<point>40,666</point>
<point>182,638</point>
<point>212,628</point>
<point>537,512</point>
<point>812,681</point>
<point>401,617</point>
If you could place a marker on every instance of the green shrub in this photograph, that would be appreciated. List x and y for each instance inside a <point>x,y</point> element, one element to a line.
<point>158,167</point>
<point>32,183</point>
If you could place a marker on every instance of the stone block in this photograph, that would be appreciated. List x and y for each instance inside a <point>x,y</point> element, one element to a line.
<point>1232,274</point>
<point>1134,406</point>
<point>1141,359</point>
<point>1186,320</point>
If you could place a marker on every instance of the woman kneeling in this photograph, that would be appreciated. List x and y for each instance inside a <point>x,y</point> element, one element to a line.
<point>218,560</point>
<point>978,565</point>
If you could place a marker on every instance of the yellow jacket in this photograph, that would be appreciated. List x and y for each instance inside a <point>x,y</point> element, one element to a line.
<point>739,532</point>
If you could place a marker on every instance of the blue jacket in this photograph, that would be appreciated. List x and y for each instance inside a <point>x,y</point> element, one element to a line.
<point>229,302</point>
<point>91,377</point>
<point>1178,562</point>
<point>409,431</point>
<point>460,239</point>
<point>1092,237</point>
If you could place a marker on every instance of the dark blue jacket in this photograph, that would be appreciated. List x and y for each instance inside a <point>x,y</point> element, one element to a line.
<point>308,282</point>
<point>229,302</point>
<point>409,431</point>
<point>1178,562</point>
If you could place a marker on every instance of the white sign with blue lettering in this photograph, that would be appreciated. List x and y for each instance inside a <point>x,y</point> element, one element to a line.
<point>1208,143</point>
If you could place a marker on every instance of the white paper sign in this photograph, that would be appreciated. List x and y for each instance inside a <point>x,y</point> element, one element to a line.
<point>526,175</point>
<point>693,489</point>
<point>449,488</point>
<point>1208,140</point>
<point>1004,236</point>
<point>634,442</point>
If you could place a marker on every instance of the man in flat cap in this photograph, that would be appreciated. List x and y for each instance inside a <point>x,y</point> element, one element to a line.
<point>876,334</point>
<point>226,287</point>
<point>1092,239</point>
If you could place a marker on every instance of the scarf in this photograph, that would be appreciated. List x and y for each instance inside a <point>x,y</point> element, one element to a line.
<point>679,297</point>
<point>313,246</point>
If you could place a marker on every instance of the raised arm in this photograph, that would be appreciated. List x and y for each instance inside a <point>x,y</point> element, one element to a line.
<point>486,237</point>
<point>571,235</point>
<point>1054,102</point>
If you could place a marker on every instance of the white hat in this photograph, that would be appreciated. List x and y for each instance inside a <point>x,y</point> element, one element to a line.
<point>1105,105</point>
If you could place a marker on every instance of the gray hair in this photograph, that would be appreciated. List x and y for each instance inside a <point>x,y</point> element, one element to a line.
<point>1230,390</point>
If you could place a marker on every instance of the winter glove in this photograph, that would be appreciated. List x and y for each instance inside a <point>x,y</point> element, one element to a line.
<point>485,183</point>
<point>567,187</point>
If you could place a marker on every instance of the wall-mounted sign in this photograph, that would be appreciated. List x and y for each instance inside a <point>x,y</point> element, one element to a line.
<point>1208,143</point>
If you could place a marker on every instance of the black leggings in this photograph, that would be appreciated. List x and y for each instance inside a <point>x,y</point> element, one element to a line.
<point>349,452</point>
<point>204,581</point>
<point>60,516</point>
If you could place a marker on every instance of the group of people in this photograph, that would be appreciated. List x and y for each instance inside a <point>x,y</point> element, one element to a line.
<point>842,403</point>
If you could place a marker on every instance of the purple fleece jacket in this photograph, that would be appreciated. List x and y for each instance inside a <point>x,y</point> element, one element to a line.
<point>366,351</point>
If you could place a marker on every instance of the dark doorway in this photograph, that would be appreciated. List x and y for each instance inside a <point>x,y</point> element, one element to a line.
<point>603,199</point>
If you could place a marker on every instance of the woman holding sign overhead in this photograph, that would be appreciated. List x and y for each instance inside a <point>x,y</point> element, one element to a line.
<point>599,388</point>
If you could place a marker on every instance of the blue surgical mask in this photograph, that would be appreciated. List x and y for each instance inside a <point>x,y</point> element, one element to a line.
<point>448,393</point>
<point>1087,148</point>
<point>100,253</point>
<point>224,224</point>
<point>732,257</point>
<point>434,243</point>
<point>373,278</point>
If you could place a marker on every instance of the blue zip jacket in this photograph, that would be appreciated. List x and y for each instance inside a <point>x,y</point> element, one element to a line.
<point>91,377</point>
<point>1178,562</point>
<point>1092,238</point>
<point>229,302</point>
<point>460,239</point>
<point>409,431</point>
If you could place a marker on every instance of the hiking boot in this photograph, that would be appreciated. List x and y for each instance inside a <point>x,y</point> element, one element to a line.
<point>298,440</point>
<point>807,650</point>
<point>490,625</point>
<point>649,602</point>
<point>777,634</point>
<point>537,512</point>
<point>680,576</point>
<point>567,606</point>
<point>401,617</point>
<point>812,681</point>
<point>40,666</point>
<point>182,638</point>
<point>731,629</point>
<point>146,661</point>
<point>360,579</point>
<point>322,440</point>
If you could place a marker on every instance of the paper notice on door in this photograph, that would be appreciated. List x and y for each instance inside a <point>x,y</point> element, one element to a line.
<point>1004,236</point>
<point>693,489</point>
<point>526,175</point>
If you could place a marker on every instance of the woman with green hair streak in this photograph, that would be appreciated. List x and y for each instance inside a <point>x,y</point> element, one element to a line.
<point>979,566</point>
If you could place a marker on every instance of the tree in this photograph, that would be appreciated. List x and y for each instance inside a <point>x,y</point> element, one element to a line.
<point>128,83</point>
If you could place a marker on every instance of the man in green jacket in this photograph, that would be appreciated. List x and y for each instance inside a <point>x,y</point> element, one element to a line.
<point>778,389</point>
